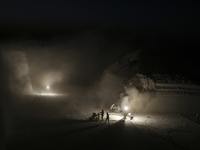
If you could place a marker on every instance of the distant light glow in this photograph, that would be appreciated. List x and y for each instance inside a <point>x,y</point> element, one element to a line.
<point>126,108</point>
<point>50,94</point>
<point>47,87</point>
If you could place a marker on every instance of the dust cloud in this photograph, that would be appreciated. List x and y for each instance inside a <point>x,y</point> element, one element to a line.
<point>18,78</point>
<point>70,65</point>
<point>138,101</point>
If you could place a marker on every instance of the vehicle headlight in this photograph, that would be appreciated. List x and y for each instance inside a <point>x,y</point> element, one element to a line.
<point>126,108</point>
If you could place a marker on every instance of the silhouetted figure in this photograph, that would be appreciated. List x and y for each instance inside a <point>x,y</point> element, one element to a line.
<point>98,116</point>
<point>107,117</point>
<point>102,114</point>
<point>197,117</point>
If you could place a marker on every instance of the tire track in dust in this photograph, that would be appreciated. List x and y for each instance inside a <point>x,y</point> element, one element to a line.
<point>155,133</point>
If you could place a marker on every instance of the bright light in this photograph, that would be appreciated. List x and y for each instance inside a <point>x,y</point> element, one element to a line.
<point>129,114</point>
<point>47,87</point>
<point>116,117</point>
<point>50,94</point>
<point>126,108</point>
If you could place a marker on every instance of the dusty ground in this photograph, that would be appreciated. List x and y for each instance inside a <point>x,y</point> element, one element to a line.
<point>144,131</point>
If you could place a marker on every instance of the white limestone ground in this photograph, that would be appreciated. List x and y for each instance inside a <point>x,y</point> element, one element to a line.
<point>144,131</point>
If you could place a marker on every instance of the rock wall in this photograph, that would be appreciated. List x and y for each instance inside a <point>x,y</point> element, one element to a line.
<point>173,104</point>
<point>164,98</point>
<point>142,82</point>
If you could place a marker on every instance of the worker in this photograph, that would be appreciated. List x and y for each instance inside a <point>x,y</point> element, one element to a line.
<point>102,114</point>
<point>107,117</point>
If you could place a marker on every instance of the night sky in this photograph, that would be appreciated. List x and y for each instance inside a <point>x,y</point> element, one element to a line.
<point>166,16</point>
<point>90,35</point>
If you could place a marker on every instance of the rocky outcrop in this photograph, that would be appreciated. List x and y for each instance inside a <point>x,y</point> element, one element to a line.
<point>128,66</point>
<point>142,83</point>
<point>154,66</point>
<point>149,86</point>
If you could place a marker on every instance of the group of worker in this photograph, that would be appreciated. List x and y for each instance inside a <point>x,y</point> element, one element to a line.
<point>102,116</point>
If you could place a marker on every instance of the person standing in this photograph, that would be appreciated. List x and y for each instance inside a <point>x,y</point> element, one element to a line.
<point>102,114</point>
<point>107,117</point>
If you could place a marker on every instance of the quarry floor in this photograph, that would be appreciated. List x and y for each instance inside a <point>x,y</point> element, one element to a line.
<point>144,131</point>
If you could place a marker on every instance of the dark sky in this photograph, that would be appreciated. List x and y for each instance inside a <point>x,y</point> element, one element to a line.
<point>144,23</point>
<point>166,15</point>
<point>98,33</point>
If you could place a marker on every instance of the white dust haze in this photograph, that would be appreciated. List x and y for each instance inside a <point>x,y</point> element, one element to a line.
<point>136,101</point>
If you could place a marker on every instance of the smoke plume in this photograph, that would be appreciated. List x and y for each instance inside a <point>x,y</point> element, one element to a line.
<point>138,101</point>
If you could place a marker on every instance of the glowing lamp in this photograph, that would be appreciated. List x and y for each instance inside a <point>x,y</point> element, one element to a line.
<point>47,87</point>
